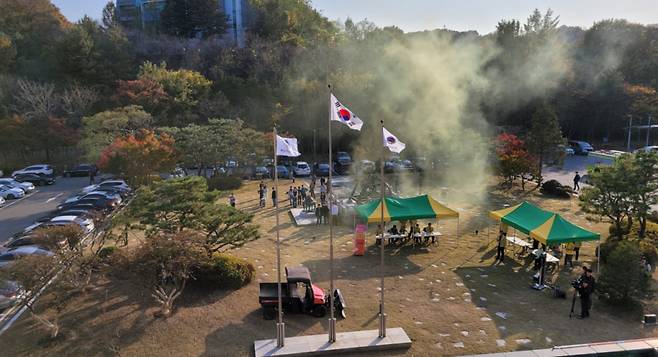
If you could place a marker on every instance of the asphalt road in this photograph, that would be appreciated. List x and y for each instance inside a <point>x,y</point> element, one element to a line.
<point>573,163</point>
<point>15,215</point>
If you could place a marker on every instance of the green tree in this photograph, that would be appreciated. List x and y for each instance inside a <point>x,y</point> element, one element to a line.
<point>610,193</point>
<point>545,137</point>
<point>185,205</point>
<point>191,18</point>
<point>99,130</point>
<point>94,55</point>
<point>110,15</point>
<point>622,277</point>
<point>32,27</point>
<point>644,187</point>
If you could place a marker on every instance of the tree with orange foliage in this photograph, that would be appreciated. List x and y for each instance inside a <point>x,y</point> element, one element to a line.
<point>136,157</point>
<point>514,159</point>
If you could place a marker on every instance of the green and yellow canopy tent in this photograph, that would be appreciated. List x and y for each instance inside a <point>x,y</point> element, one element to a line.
<point>404,209</point>
<point>547,227</point>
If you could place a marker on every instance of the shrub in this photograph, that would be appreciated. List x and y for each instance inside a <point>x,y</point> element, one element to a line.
<point>648,249</point>
<point>223,271</point>
<point>622,279</point>
<point>106,252</point>
<point>607,247</point>
<point>224,183</point>
<point>554,188</point>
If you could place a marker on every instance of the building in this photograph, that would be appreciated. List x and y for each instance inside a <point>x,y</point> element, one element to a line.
<point>146,14</point>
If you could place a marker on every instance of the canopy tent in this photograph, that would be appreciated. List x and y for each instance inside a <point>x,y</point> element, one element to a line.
<point>547,227</point>
<point>396,209</point>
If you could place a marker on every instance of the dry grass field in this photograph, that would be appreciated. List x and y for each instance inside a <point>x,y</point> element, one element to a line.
<point>449,297</point>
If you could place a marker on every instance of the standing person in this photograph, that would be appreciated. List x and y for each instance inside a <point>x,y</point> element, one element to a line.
<point>585,288</point>
<point>231,200</point>
<point>569,251</point>
<point>318,214</point>
<point>500,247</point>
<point>323,191</point>
<point>325,213</point>
<point>274,198</point>
<point>261,196</point>
<point>311,187</point>
<point>290,196</point>
<point>265,195</point>
<point>92,177</point>
<point>294,197</point>
<point>334,213</point>
<point>379,234</point>
<point>576,249</point>
<point>576,181</point>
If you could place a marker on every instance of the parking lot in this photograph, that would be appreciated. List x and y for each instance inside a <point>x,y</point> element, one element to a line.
<point>15,215</point>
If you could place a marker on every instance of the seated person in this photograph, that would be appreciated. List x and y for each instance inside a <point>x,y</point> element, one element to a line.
<point>416,233</point>
<point>403,227</point>
<point>430,231</point>
<point>394,230</point>
<point>378,233</point>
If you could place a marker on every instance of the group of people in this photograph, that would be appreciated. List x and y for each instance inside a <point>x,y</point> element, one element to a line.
<point>262,195</point>
<point>414,231</point>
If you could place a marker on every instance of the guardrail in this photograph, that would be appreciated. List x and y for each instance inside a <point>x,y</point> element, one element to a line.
<point>8,318</point>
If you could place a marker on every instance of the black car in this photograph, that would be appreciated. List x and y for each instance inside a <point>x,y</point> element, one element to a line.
<point>99,203</point>
<point>82,170</point>
<point>36,179</point>
<point>79,206</point>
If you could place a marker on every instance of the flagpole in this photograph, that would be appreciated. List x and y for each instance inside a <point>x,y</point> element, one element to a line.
<point>280,326</point>
<point>382,314</point>
<point>332,319</point>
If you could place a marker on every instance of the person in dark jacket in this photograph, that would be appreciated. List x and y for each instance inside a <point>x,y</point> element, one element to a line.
<point>586,288</point>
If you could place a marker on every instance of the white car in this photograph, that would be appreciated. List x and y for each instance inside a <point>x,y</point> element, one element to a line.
<point>95,194</point>
<point>8,257</point>
<point>302,169</point>
<point>35,169</point>
<point>86,224</point>
<point>25,186</point>
<point>2,201</point>
<point>647,149</point>
<point>7,192</point>
<point>121,184</point>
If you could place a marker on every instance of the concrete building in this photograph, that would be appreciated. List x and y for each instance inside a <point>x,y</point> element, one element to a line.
<point>146,14</point>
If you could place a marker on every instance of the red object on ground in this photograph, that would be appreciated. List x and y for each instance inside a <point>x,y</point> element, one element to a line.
<point>360,240</point>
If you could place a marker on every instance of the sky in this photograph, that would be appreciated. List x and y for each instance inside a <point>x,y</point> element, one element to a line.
<point>461,15</point>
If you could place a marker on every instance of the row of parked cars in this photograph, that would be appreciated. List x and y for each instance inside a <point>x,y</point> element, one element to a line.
<point>83,209</point>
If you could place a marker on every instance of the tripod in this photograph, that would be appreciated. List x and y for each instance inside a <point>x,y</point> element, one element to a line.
<point>573,302</point>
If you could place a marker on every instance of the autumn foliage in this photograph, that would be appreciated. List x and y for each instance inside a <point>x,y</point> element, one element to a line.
<point>514,160</point>
<point>137,156</point>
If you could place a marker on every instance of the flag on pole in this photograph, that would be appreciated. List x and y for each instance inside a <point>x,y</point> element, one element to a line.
<point>286,147</point>
<point>392,142</point>
<point>340,113</point>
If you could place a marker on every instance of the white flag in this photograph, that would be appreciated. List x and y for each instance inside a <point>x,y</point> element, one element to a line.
<point>286,147</point>
<point>340,113</point>
<point>392,142</point>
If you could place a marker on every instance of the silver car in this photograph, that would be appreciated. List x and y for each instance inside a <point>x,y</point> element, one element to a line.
<point>27,187</point>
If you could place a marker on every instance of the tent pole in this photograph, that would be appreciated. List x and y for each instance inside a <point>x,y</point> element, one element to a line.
<point>598,256</point>
<point>382,313</point>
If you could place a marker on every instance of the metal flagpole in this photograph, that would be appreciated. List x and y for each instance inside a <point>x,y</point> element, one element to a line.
<point>382,313</point>
<point>332,319</point>
<point>648,131</point>
<point>630,126</point>
<point>280,326</point>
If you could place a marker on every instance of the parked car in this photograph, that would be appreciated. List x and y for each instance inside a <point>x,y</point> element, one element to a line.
<point>95,194</point>
<point>322,170</point>
<point>42,169</point>
<point>581,147</point>
<point>282,172</point>
<point>81,170</point>
<point>391,166</point>
<point>366,166</point>
<point>298,295</point>
<point>343,158</point>
<point>97,202</point>
<point>22,241</point>
<point>91,207</point>
<point>10,292</point>
<point>647,149</point>
<point>86,224</point>
<point>121,184</point>
<point>8,257</point>
<point>27,187</point>
<point>260,172</point>
<point>10,193</point>
<point>406,165</point>
<point>69,212</point>
<point>36,179</point>
<point>301,169</point>
<point>2,201</point>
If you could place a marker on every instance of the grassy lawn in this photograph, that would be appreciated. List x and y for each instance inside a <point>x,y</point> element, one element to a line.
<point>450,298</point>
